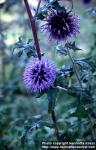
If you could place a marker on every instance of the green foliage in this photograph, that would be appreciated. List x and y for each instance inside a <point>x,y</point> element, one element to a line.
<point>51,95</point>
<point>26,47</point>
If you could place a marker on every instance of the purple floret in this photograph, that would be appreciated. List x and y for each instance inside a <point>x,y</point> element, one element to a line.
<point>39,74</point>
<point>61,25</point>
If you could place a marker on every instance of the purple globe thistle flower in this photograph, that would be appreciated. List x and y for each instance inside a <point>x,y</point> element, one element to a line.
<point>39,74</point>
<point>61,25</point>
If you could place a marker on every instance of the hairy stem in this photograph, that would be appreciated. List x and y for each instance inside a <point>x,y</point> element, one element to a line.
<point>55,122</point>
<point>74,67</point>
<point>33,27</point>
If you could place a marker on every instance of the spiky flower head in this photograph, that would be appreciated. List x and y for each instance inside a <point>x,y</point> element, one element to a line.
<point>61,25</point>
<point>39,74</point>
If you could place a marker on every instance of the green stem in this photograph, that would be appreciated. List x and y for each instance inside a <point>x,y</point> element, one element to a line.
<point>75,69</point>
<point>2,52</point>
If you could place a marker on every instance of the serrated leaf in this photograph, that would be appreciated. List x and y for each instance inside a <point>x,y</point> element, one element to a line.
<point>72,46</point>
<point>92,12</point>
<point>68,72</point>
<point>42,12</point>
<point>55,5</point>
<point>24,47</point>
<point>61,49</point>
<point>83,64</point>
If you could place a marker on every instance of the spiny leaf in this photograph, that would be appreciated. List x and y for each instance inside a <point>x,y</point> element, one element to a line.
<point>60,49</point>
<point>42,12</point>
<point>55,5</point>
<point>72,46</point>
<point>26,47</point>
<point>91,11</point>
<point>83,64</point>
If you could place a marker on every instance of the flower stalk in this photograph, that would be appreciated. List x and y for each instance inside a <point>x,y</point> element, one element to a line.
<point>55,122</point>
<point>33,27</point>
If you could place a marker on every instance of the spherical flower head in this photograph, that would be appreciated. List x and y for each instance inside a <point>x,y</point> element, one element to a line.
<point>61,25</point>
<point>39,74</point>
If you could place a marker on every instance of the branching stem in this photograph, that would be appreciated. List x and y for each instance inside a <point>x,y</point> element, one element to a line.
<point>38,8</point>
<point>75,69</point>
